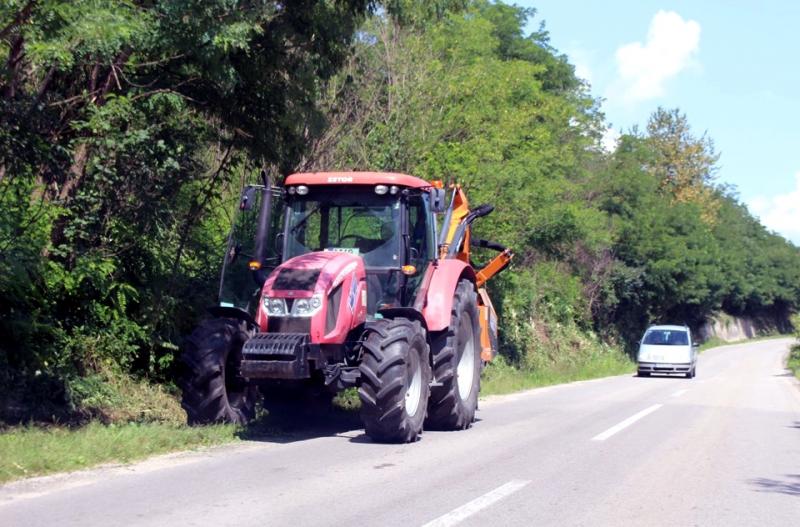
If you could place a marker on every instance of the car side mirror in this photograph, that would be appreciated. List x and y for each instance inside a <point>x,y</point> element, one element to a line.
<point>438,200</point>
<point>695,344</point>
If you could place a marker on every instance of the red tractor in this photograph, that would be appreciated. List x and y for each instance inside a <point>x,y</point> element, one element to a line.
<point>367,289</point>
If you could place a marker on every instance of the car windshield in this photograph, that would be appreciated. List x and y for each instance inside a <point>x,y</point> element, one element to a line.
<point>666,337</point>
<point>360,223</point>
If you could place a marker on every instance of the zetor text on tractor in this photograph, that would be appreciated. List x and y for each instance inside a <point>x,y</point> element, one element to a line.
<point>368,284</point>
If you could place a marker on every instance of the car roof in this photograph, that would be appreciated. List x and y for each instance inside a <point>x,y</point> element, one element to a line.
<point>668,327</point>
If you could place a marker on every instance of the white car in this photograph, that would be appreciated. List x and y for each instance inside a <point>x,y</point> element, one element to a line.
<point>667,349</point>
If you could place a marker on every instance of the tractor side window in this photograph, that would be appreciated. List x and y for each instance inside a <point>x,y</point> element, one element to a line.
<point>237,285</point>
<point>421,240</point>
<point>422,244</point>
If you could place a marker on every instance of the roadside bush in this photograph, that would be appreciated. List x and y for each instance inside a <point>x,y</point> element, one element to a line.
<point>794,354</point>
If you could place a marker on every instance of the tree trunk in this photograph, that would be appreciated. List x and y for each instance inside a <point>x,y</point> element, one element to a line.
<point>75,172</point>
<point>15,54</point>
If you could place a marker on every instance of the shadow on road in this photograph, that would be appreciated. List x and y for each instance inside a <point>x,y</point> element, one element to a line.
<point>662,376</point>
<point>364,438</point>
<point>286,418</point>
<point>790,486</point>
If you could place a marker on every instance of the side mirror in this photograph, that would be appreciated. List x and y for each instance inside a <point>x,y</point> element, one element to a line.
<point>438,200</point>
<point>279,245</point>
<point>248,198</point>
<point>233,253</point>
<point>695,344</point>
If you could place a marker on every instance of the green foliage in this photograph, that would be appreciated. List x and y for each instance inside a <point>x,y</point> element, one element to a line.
<point>127,128</point>
<point>604,242</point>
<point>793,361</point>
<point>32,451</point>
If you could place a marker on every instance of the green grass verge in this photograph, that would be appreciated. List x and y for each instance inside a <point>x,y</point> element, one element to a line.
<point>35,451</point>
<point>794,360</point>
<point>715,342</point>
<point>499,377</point>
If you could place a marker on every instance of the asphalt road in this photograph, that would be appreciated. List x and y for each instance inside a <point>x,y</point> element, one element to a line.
<point>721,449</point>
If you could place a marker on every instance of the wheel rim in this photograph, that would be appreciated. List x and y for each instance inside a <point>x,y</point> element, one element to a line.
<point>236,390</point>
<point>414,390</point>
<point>465,371</point>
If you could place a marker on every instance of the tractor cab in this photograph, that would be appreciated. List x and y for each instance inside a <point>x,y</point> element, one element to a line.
<point>386,220</point>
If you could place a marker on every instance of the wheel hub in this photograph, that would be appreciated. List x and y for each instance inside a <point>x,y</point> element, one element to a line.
<point>465,371</point>
<point>414,390</point>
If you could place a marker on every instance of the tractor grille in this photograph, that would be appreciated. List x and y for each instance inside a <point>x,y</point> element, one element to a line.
<point>289,325</point>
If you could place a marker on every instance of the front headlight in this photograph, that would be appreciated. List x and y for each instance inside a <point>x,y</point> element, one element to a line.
<point>306,307</point>
<point>276,307</point>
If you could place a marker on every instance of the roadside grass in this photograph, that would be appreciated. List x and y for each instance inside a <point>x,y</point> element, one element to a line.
<point>500,377</point>
<point>794,360</point>
<point>715,342</point>
<point>27,451</point>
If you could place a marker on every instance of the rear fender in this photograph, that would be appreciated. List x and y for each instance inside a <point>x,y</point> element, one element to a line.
<point>439,298</point>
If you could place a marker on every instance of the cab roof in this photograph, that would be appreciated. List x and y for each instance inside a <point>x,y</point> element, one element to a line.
<point>356,178</point>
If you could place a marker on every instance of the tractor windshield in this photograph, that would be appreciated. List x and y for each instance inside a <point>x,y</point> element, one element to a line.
<point>357,222</point>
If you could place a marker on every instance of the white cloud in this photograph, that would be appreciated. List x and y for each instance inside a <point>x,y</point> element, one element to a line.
<point>780,213</point>
<point>671,46</point>
<point>610,139</point>
<point>580,58</point>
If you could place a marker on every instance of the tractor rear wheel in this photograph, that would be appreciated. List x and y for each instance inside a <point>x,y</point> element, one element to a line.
<point>456,365</point>
<point>213,389</point>
<point>395,380</point>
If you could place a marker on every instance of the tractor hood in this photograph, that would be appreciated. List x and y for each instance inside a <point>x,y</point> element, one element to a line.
<point>311,273</point>
<point>322,293</point>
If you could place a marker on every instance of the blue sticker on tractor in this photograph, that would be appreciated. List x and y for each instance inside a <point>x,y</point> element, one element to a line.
<point>351,298</point>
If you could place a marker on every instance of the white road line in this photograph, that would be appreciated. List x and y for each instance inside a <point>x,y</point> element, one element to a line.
<point>626,423</point>
<point>679,393</point>
<point>458,515</point>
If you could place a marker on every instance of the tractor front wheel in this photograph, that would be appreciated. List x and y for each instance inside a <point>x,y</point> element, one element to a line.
<point>395,380</point>
<point>457,365</point>
<point>213,389</point>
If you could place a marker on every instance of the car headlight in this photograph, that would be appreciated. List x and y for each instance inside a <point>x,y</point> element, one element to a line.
<point>276,307</point>
<point>306,307</point>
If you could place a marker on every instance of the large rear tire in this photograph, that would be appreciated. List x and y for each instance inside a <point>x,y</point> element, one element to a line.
<point>395,380</point>
<point>213,389</point>
<point>457,365</point>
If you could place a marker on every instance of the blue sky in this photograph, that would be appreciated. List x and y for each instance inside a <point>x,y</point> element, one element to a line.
<point>732,66</point>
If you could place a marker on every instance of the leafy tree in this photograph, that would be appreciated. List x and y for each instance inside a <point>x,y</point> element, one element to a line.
<point>124,127</point>
<point>684,164</point>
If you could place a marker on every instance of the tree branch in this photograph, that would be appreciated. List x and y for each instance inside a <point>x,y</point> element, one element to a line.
<point>22,15</point>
